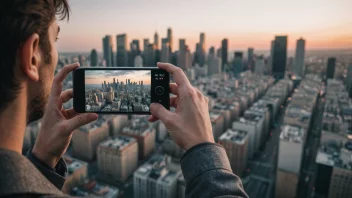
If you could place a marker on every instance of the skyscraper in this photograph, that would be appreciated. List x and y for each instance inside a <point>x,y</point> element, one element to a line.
<point>330,72</point>
<point>199,55</point>
<point>214,62</point>
<point>279,57</point>
<point>135,51</point>
<point>270,65</point>
<point>145,44</point>
<point>169,38</point>
<point>224,53</point>
<point>135,43</point>
<point>238,63</point>
<point>164,40</point>
<point>259,67</point>
<point>156,40</point>
<point>107,50</point>
<point>348,80</point>
<point>183,55</point>
<point>81,59</point>
<point>122,49</point>
<point>250,59</point>
<point>212,50</point>
<point>93,58</point>
<point>150,56</point>
<point>182,44</point>
<point>299,67</point>
<point>165,52</point>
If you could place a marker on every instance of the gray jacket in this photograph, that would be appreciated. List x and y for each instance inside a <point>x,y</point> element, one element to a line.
<point>205,167</point>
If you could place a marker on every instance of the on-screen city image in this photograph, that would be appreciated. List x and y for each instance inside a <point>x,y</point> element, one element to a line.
<point>117,90</point>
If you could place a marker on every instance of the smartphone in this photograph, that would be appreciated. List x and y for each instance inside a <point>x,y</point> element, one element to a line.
<point>120,90</point>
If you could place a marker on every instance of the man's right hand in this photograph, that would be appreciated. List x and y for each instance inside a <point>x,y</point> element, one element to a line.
<point>190,124</point>
<point>58,123</point>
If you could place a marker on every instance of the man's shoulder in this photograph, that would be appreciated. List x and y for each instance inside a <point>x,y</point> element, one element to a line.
<point>33,195</point>
<point>18,176</point>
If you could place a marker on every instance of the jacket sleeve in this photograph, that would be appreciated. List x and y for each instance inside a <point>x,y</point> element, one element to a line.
<point>208,173</point>
<point>55,175</point>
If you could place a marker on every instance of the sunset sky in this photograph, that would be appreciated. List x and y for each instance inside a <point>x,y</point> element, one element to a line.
<point>98,76</point>
<point>246,23</point>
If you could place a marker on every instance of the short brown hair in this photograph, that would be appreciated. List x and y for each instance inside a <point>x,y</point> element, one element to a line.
<point>19,19</point>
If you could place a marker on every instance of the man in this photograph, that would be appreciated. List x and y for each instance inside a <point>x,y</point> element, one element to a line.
<point>27,64</point>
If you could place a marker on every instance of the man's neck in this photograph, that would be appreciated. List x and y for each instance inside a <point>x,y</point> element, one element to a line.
<point>13,122</point>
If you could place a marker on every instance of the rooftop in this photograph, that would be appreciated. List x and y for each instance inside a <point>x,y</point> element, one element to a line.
<point>73,164</point>
<point>252,116</point>
<point>252,120</point>
<point>93,188</point>
<point>159,167</point>
<point>138,126</point>
<point>236,136</point>
<point>214,116</point>
<point>335,154</point>
<point>297,112</point>
<point>94,125</point>
<point>117,143</point>
<point>292,134</point>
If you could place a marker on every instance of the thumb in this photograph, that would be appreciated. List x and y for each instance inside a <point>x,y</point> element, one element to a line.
<point>159,111</point>
<point>80,120</point>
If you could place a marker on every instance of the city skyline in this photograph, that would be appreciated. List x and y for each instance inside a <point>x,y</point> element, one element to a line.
<point>97,77</point>
<point>323,24</point>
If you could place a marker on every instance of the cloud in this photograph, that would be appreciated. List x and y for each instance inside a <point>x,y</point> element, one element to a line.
<point>117,72</point>
<point>94,73</point>
<point>147,74</point>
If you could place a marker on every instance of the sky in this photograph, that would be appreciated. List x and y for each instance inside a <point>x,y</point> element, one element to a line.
<point>325,24</point>
<point>99,76</point>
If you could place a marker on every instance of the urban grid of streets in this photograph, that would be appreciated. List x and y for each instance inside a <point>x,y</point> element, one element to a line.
<point>118,97</point>
<point>260,177</point>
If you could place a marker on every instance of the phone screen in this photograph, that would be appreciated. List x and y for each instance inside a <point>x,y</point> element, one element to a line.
<point>117,91</point>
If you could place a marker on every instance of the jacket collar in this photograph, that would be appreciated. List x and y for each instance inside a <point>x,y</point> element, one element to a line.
<point>19,176</point>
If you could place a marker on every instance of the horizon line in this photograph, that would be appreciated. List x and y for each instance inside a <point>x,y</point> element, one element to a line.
<point>240,49</point>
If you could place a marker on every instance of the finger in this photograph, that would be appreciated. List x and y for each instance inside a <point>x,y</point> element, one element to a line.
<point>159,111</point>
<point>152,118</point>
<point>173,102</point>
<point>80,120</point>
<point>60,77</point>
<point>71,113</point>
<point>174,88</point>
<point>179,76</point>
<point>66,95</point>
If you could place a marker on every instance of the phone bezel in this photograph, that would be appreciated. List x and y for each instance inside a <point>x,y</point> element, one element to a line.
<point>79,87</point>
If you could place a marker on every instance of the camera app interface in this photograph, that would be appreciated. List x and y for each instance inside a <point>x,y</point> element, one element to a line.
<point>117,90</point>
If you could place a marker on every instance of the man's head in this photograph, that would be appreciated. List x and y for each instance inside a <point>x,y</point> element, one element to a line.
<point>28,53</point>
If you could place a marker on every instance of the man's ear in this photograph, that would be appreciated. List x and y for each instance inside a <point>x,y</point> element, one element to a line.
<point>30,57</point>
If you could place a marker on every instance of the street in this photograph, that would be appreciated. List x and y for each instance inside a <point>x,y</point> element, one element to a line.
<point>259,178</point>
